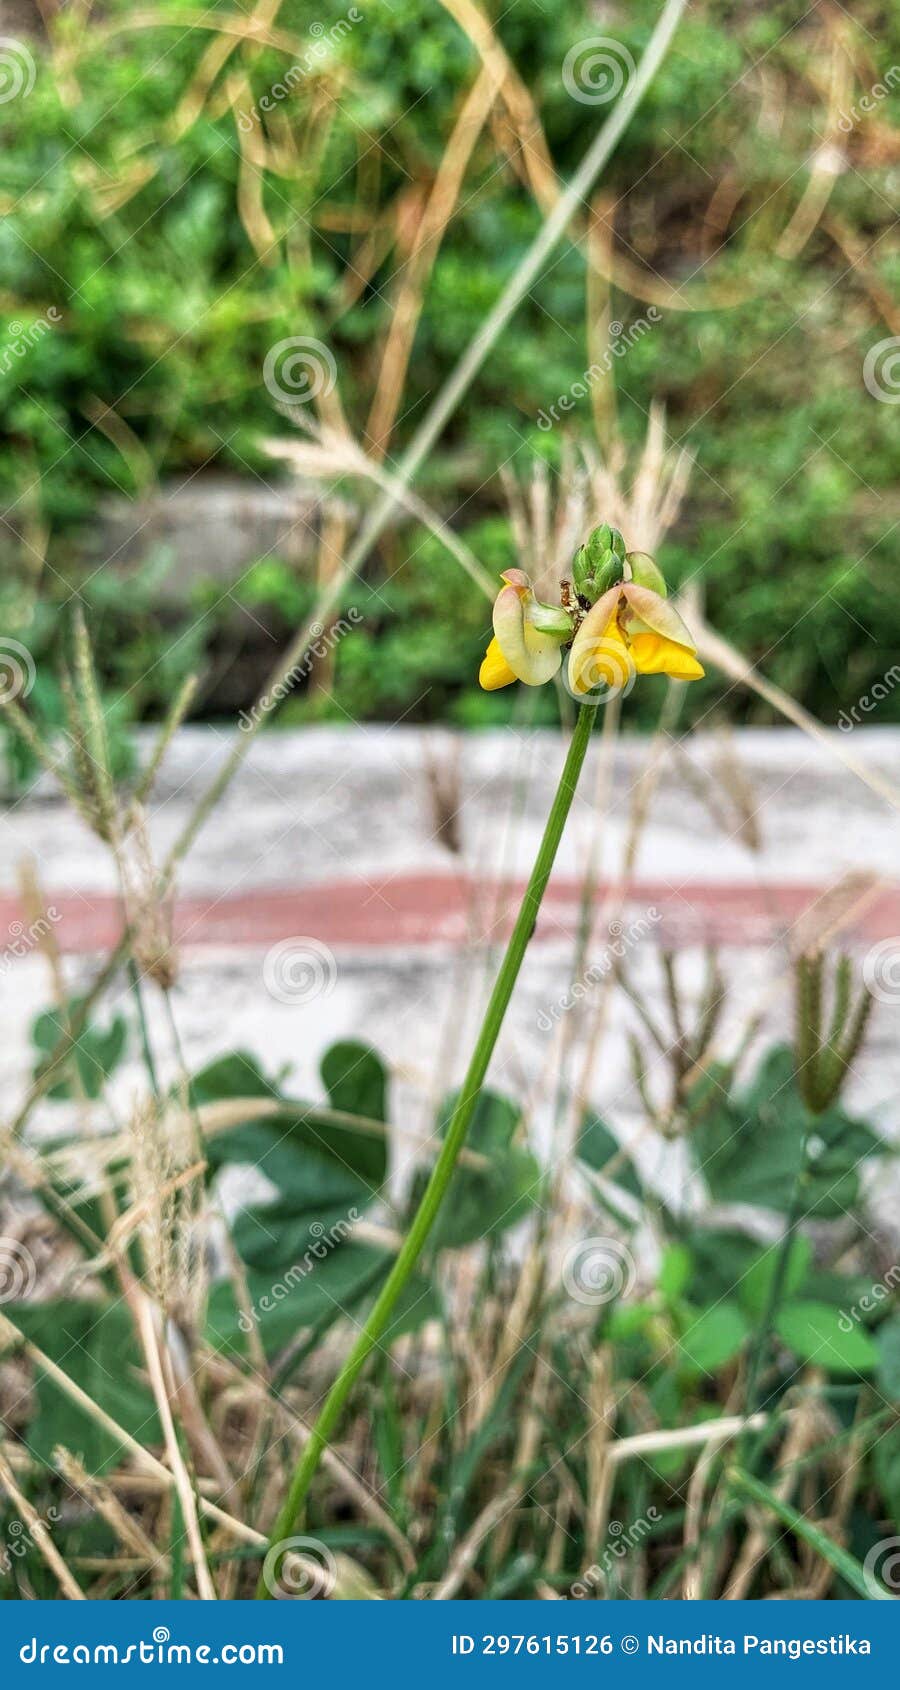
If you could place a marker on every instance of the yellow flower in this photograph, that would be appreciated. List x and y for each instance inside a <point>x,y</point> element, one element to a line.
<point>632,629</point>
<point>528,636</point>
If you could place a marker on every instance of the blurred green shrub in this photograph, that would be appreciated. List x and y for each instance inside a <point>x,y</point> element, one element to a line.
<point>131,222</point>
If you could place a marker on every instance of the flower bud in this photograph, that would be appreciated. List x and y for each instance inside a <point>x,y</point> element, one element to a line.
<point>599,563</point>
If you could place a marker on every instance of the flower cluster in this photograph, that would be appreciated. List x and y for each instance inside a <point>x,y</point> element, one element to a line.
<point>614,620</point>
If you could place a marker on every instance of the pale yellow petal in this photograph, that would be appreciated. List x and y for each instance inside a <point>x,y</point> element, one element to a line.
<point>533,661</point>
<point>648,612</point>
<point>602,661</point>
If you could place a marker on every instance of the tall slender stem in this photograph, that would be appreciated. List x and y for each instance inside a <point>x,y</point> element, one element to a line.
<point>442,1172</point>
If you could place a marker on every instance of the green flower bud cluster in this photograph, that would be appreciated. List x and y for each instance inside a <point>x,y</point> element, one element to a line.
<point>599,563</point>
<point>603,561</point>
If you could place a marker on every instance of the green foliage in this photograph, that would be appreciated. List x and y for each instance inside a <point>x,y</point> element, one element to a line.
<point>676,1354</point>
<point>124,218</point>
<point>597,1148</point>
<point>887,1343</point>
<point>815,1333</point>
<point>485,1201</point>
<point>328,1165</point>
<point>713,1338</point>
<point>95,1345</point>
<point>749,1147</point>
<point>95,1055</point>
<point>756,1284</point>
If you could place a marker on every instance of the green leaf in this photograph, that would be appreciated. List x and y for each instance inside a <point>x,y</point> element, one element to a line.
<point>713,1338</point>
<point>309,1292</point>
<point>340,1285</point>
<point>95,1345</point>
<point>356,1081</point>
<point>721,1259</point>
<point>675,1271</point>
<point>886,1464</point>
<point>237,1074</point>
<point>482,1203</point>
<point>96,1055</point>
<point>597,1146</point>
<point>353,1074</point>
<point>749,1147</point>
<point>494,1120</point>
<point>626,1319</point>
<point>815,1333</point>
<point>887,1343</point>
<point>756,1285</point>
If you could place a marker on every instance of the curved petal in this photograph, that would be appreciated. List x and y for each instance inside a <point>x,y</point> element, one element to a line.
<point>534,660</point>
<point>645,572</point>
<point>602,662</point>
<point>593,629</point>
<point>655,655</point>
<point>657,614</point>
<point>518,579</point>
<point>495,672</point>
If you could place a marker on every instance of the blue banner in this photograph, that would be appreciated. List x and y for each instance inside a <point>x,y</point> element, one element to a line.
<point>453,1643</point>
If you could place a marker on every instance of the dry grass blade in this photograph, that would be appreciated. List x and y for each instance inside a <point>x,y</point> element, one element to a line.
<point>105,1503</point>
<point>186,1494</point>
<point>726,657</point>
<point>40,1534</point>
<point>435,216</point>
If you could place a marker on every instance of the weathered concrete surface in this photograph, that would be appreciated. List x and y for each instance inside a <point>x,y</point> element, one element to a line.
<point>336,826</point>
<point>213,526</point>
<point>202,527</point>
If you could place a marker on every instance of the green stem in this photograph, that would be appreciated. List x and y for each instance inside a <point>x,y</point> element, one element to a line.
<point>849,1568</point>
<point>776,1289</point>
<point>146,1047</point>
<point>442,1172</point>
